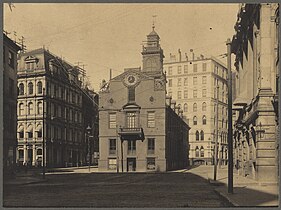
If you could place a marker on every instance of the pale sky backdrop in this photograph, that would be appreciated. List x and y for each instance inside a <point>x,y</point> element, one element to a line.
<point>104,36</point>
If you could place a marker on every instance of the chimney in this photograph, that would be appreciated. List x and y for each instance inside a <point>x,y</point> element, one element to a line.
<point>192,53</point>
<point>186,57</point>
<point>173,104</point>
<point>179,51</point>
<point>177,109</point>
<point>168,100</point>
<point>181,113</point>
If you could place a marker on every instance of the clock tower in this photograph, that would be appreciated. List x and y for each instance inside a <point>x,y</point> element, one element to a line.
<point>152,53</point>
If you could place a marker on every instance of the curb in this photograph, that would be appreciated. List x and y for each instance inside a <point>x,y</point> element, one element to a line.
<point>227,198</point>
<point>26,183</point>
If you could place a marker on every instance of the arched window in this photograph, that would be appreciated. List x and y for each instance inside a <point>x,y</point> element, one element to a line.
<point>39,87</point>
<point>197,135</point>
<point>39,108</point>
<point>202,151</point>
<point>185,107</point>
<point>201,135</point>
<point>21,89</point>
<point>204,120</point>
<point>195,107</point>
<point>194,120</point>
<point>21,109</point>
<point>30,88</point>
<point>30,108</point>
<point>196,151</point>
<point>204,106</point>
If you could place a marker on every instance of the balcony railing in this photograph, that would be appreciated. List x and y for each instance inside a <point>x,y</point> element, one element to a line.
<point>131,133</point>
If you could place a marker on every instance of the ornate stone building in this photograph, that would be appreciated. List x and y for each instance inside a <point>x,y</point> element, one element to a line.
<point>141,129</point>
<point>10,51</point>
<point>50,112</point>
<point>198,85</point>
<point>256,46</point>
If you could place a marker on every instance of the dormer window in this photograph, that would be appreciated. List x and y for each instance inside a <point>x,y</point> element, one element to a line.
<point>31,62</point>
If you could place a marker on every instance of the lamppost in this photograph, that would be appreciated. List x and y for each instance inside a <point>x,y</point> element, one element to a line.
<point>43,142</point>
<point>89,146</point>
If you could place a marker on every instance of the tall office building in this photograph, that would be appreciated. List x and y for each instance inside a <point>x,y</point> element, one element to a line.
<point>199,86</point>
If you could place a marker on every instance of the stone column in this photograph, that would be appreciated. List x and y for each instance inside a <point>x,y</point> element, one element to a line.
<point>25,154</point>
<point>34,155</point>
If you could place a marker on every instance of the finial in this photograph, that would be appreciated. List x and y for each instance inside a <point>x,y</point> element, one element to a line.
<point>153,21</point>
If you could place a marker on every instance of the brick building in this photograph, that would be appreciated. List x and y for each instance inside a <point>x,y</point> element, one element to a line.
<point>141,129</point>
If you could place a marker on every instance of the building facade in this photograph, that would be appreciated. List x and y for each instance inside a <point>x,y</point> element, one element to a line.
<point>256,46</point>
<point>50,115</point>
<point>10,51</point>
<point>199,87</point>
<point>140,130</point>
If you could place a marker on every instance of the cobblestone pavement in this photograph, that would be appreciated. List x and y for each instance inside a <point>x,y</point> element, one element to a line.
<point>166,190</point>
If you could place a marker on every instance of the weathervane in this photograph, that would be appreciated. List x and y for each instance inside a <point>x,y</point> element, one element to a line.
<point>153,21</point>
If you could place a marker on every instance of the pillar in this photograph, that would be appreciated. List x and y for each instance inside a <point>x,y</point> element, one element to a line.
<point>25,154</point>
<point>34,155</point>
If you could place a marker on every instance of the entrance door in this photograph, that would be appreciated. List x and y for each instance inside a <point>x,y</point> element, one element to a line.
<point>30,156</point>
<point>131,164</point>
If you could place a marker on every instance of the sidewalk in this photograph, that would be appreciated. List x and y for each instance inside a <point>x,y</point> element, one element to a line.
<point>22,178</point>
<point>246,192</point>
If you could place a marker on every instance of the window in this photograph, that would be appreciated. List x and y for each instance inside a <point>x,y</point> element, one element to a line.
<point>179,94</point>
<point>30,134</point>
<point>21,109</point>
<point>222,110</point>
<point>170,70</point>
<point>185,69</point>
<point>179,82</point>
<point>21,134</point>
<point>204,66</point>
<point>131,120</point>
<point>151,119</point>
<point>194,93</point>
<point>197,135</point>
<point>204,120</point>
<point>185,94</point>
<point>112,146</point>
<point>21,155</point>
<point>11,61</point>
<point>222,121</point>
<point>112,163</point>
<point>170,82</point>
<point>30,108</point>
<point>39,108</point>
<point>204,92</point>
<point>185,107</point>
<point>202,151</point>
<point>185,81</point>
<point>39,152</point>
<point>11,87</point>
<point>196,151</point>
<point>150,163</point>
<point>131,147</point>
<point>131,94</point>
<point>195,107</point>
<point>204,80</point>
<point>194,80</point>
<point>194,120</point>
<point>179,69</point>
<point>21,89</point>
<point>30,88</point>
<point>39,87</point>
<point>39,133</point>
<point>112,120</point>
<point>201,135</point>
<point>194,67</point>
<point>204,106</point>
<point>150,145</point>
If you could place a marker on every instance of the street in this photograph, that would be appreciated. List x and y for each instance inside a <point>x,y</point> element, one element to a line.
<point>162,190</point>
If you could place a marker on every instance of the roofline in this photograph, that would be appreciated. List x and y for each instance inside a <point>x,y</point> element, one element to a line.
<point>10,42</point>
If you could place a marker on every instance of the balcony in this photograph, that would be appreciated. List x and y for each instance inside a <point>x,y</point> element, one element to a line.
<point>131,133</point>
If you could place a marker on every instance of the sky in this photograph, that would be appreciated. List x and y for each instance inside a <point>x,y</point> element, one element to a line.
<point>110,35</point>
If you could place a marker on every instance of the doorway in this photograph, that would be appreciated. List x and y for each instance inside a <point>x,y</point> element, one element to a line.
<point>131,164</point>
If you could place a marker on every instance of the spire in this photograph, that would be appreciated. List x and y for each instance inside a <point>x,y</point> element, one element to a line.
<point>153,21</point>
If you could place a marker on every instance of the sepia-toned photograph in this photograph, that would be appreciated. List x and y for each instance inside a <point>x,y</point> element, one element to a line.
<point>140,105</point>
